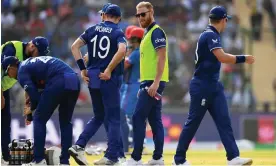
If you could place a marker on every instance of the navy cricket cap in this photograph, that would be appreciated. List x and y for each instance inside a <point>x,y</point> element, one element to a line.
<point>103,10</point>
<point>113,10</point>
<point>218,12</point>
<point>10,60</point>
<point>42,44</point>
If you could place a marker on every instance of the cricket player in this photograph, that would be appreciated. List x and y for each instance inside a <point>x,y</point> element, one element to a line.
<point>106,45</point>
<point>207,92</point>
<point>62,87</point>
<point>132,84</point>
<point>121,152</point>
<point>154,73</point>
<point>39,46</point>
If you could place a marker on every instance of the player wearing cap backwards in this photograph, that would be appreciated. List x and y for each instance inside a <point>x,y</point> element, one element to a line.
<point>207,92</point>
<point>39,46</point>
<point>106,49</point>
<point>132,84</point>
<point>61,90</point>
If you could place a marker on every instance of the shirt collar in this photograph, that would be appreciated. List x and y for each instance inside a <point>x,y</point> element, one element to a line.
<point>212,28</point>
<point>109,22</point>
<point>151,25</point>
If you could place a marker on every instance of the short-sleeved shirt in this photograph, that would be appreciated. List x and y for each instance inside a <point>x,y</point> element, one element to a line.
<point>102,42</point>
<point>207,65</point>
<point>43,68</point>
<point>158,37</point>
<point>134,71</point>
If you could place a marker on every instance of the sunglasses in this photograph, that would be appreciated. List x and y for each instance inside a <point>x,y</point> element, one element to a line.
<point>141,14</point>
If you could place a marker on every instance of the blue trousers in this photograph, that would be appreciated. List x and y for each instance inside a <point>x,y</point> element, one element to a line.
<point>207,95</point>
<point>6,127</point>
<point>55,95</point>
<point>106,107</point>
<point>148,108</point>
<point>128,103</point>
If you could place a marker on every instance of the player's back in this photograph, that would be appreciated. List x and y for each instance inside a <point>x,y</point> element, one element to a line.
<point>207,65</point>
<point>44,68</point>
<point>102,43</point>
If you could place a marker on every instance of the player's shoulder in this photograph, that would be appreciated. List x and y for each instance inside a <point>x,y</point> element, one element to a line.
<point>118,33</point>
<point>117,29</point>
<point>209,33</point>
<point>135,52</point>
<point>159,31</point>
<point>23,65</point>
<point>91,28</point>
<point>8,45</point>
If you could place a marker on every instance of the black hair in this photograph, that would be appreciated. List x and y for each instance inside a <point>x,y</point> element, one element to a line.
<point>135,40</point>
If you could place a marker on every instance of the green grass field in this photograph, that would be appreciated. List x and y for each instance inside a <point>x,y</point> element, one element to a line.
<point>260,157</point>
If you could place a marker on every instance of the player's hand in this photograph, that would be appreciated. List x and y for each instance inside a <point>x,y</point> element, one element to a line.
<point>249,59</point>
<point>153,89</point>
<point>27,110</point>
<point>105,75</point>
<point>85,58</point>
<point>27,122</point>
<point>27,101</point>
<point>84,76</point>
<point>28,119</point>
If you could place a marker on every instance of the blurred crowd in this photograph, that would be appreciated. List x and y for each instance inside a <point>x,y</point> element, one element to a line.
<point>258,8</point>
<point>62,21</point>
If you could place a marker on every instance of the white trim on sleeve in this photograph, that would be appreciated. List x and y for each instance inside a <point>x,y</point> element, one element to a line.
<point>214,48</point>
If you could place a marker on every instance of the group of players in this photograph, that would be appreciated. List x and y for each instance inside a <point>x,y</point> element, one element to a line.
<point>50,83</point>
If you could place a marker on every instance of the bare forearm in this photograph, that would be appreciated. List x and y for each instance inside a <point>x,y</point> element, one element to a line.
<point>27,98</point>
<point>224,57</point>
<point>76,53</point>
<point>75,48</point>
<point>160,67</point>
<point>229,58</point>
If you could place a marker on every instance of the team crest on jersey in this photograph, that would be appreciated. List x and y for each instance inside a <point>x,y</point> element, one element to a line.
<point>215,41</point>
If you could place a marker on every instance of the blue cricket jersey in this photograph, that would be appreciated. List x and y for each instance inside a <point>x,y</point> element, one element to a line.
<point>134,70</point>
<point>207,64</point>
<point>158,37</point>
<point>43,68</point>
<point>102,42</point>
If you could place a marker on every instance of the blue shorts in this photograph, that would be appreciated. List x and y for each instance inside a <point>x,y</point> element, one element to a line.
<point>129,98</point>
